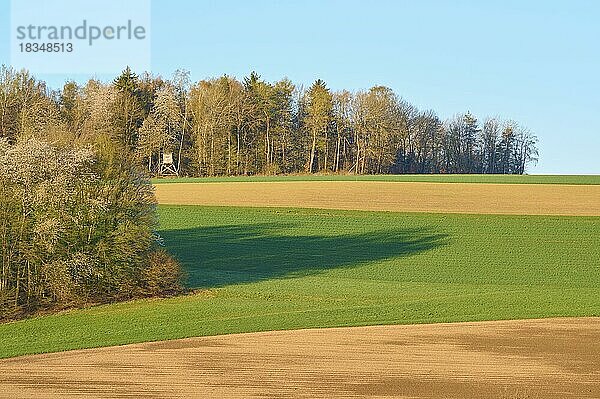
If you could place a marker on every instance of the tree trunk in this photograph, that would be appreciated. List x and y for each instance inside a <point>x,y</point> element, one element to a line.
<point>267,140</point>
<point>181,139</point>
<point>356,165</point>
<point>229,152</point>
<point>312,152</point>
<point>326,151</point>
<point>237,161</point>
<point>337,153</point>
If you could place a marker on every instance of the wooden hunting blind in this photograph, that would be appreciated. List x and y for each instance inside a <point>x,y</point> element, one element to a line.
<point>167,166</point>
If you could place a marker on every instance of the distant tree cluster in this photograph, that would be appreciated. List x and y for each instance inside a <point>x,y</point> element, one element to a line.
<point>224,126</point>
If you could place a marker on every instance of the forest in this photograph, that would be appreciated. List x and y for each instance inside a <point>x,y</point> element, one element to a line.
<point>223,126</point>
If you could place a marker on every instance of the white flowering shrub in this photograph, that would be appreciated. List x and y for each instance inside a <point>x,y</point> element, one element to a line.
<point>75,227</point>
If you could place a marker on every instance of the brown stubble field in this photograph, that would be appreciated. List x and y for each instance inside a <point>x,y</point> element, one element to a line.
<point>546,359</point>
<point>516,199</point>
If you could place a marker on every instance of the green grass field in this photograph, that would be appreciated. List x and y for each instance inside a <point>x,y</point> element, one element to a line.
<point>498,179</point>
<point>270,269</point>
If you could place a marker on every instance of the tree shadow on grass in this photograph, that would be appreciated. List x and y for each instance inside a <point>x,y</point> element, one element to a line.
<point>233,254</point>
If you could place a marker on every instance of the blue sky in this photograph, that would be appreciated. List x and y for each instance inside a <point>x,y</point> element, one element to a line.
<point>533,61</point>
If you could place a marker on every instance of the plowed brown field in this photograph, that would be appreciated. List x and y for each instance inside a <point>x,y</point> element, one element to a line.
<point>551,358</point>
<point>524,199</point>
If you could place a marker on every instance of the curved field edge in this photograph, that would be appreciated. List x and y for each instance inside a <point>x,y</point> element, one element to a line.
<point>275,269</point>
<point>545,358</point>
<point>496,179</point>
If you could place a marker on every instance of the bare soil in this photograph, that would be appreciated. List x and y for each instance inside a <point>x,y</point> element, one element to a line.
<point>547,358</point>
<point>523,199</point>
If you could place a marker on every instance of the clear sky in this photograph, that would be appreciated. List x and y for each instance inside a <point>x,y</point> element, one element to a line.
<point>537,62</point>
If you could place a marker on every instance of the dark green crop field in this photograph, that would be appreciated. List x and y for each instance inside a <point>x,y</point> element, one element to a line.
<point>497,179</point>
<point>269,269</point>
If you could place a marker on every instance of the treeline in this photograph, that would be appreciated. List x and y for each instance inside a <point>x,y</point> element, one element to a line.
<point>223,126</point>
